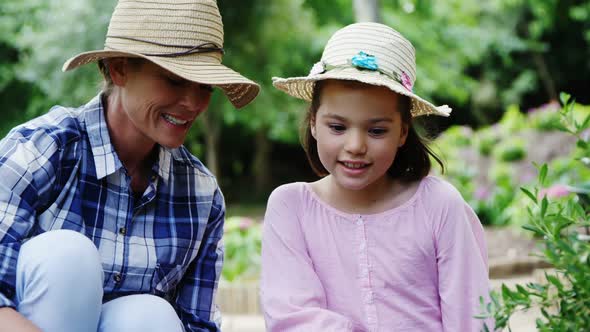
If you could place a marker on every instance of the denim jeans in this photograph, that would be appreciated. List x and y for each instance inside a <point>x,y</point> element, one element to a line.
<point>59,288</point>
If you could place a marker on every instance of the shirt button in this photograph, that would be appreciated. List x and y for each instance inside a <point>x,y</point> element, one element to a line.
<point>122,231</point>
<point>117,278</point>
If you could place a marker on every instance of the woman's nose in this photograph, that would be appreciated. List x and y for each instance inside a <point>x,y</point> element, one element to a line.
<point>196,98</point>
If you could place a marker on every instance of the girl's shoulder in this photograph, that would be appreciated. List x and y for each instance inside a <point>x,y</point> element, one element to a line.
<point>290,193</point>
<point>438,192</point>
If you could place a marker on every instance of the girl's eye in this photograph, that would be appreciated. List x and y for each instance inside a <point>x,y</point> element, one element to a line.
<point>337,128</point>
<point>175,82</point>
<point>377,131</point>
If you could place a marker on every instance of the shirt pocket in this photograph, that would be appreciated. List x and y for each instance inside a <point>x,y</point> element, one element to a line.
<point>166,278</point>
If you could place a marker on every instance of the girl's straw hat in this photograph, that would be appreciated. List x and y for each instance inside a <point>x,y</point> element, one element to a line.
<point>370,53</point>
<point>184,37</point>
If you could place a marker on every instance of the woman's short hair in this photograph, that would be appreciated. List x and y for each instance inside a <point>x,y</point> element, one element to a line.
<point>107,83</point>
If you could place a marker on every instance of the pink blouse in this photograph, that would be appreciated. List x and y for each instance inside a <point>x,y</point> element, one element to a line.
<point>421,266</point>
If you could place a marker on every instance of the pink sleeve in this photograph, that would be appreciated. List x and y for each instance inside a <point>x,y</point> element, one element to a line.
<point>292,295</point>
<point>462,265</point>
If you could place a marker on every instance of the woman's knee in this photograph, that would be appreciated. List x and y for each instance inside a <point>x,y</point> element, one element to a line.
<point>61,255</point>
<point>142,312</point>
<point>59,281</point>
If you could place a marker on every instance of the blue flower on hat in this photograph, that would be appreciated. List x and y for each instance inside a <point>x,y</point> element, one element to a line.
<point>365,61</point>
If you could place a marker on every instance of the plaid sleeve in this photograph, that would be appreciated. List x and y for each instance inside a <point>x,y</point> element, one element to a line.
<point>27,174</point>
<point>196,297</point>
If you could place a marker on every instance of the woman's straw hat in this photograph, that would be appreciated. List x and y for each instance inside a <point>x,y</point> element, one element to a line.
<point>184,37</point>
<point>370,53</point>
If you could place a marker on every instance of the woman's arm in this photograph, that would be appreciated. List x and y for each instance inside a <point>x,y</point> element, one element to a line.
<point>195,301</point>
<point>12,321</point>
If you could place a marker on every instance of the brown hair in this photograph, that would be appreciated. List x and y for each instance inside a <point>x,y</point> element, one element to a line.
<point>412,161</point>
<point>107,83</point>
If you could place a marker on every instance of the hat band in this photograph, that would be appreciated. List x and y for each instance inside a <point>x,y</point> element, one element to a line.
<point>403,80</point>
<point>201,48</point>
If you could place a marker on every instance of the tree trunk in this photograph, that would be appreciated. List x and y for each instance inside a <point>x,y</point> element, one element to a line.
<point>261,162</point>
<point>212,128</point>
<point>545,76</point>
<point>366,10</point>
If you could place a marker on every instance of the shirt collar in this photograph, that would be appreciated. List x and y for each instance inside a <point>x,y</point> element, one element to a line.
<point>106,160</point>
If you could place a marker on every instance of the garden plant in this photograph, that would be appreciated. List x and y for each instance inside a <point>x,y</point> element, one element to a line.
<point>558,216</point>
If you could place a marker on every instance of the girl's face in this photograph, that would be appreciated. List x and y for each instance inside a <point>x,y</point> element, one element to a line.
<point>358,130</point>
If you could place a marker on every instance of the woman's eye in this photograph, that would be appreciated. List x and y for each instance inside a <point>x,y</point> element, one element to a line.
<point>377,131</point>
<point>337,127</point>
<point>206,87</point>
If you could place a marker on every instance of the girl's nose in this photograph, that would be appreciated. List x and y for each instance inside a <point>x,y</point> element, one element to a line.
<point>356,143</point>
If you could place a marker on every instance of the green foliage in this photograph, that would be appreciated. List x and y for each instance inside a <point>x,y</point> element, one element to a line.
<point>487,171</point>
<point>263,49</point>
<point>509,151</point>
<point>486,140</point>
<point>458,135</point>
<point>559,218</point>
<point>46,34</point>
<point>512,120</point>
<point>242,238</point>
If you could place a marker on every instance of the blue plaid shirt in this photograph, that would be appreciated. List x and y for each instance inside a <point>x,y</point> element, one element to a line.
<point>60,171</point>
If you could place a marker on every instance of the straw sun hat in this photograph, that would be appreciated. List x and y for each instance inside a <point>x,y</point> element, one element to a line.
<point>184,37</point>
<point>370,53</point>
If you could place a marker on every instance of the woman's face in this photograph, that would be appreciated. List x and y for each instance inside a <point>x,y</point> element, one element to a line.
<point>358,130</point>
<point>159,105</point>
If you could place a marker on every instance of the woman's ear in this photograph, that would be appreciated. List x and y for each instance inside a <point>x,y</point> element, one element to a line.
<point>117,68</point>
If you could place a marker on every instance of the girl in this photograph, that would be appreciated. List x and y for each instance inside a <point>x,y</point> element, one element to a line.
<point>376,244</point>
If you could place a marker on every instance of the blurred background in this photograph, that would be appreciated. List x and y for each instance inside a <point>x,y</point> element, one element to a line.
<point>480,57</point>
<point>500,64</point>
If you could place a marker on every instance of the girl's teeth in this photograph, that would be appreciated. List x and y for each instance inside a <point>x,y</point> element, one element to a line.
<point>349,165</point>
<point>174,120</point>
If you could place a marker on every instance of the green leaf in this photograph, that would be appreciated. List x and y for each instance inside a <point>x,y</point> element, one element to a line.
<point>564,97</point>
<point>529,194</point>
<point>544,205</point>
<point>586,122</point>
<point>542,174</point>
<point>533,229</point>
<point>555,281</point>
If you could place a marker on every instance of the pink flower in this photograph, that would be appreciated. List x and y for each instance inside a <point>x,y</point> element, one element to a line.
<point>548,107</point>
<point>555,191</point>
<point>245,223</point>
<point>482,193</point>
<point>406,81</point>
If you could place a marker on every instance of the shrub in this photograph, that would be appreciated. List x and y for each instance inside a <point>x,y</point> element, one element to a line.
<point>510,150</point>
<point>559,218</point>
<point>242,239</point>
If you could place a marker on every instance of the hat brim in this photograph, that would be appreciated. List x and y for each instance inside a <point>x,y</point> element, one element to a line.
<point>239,90</point>
<point>302,87</point>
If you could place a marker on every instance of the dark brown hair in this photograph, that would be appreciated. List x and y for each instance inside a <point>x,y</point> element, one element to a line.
<point>412,161</point>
